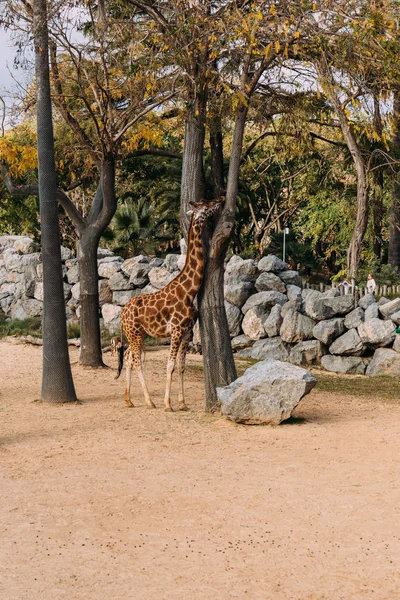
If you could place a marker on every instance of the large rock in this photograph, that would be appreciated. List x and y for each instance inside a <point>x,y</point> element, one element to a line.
<point>326,308</point>
<point>327,331</point>
<point>307,353</point>
<point>366,301</point>
<point>272,324</point>
<point>290,277</point>
<point>384,362</point>
<point>171,262</point>
<point>111,315</point>
<point>376,333</point>
<point>13,261</point>
<point>104,253</point>
<point>395,317</point>
<point>240,342</point>
<point>139,274</point>
<point>310,298</point>
<point>272,264</point>
<point>21,243</point>
<point>238,269</point>
<point>234,316</point>
<point>160,277</point>
<point>123,296</point>
<point>130,263</point>
<point>396,343</point>
<point>269,348</point>
<point>390,308</point>
<point>371,312</point>
<point>291,305</point>
<point>66,253</point>
<point>268,281</point>
<point>344,364</point>
<point>296,327</point>
<point>73,274</point>
<point>265,300</point>
<point>253,323</point>
<point>354,318</point>
<point>38,291</point>
<point>107,269</point>
<point>118,282</point>
<point>238,293</point>
<point>293,292</point>
<point>348,344</point>
<point>25,308</point>
<point>267,393</point>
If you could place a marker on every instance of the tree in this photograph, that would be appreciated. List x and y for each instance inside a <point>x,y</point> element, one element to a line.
<point>57,383</point>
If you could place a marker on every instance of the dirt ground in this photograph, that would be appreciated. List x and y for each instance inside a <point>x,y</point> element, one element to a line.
<point>98,501</point>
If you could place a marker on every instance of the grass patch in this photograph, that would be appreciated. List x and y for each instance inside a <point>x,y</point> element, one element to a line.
<point>387,388</point>
<point>31,326</point>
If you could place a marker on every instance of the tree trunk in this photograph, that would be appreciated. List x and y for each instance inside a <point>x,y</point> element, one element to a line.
<point>217,157</point>
<point>57,383</point>
<point>394,235</point>
<point>377,211</point>
<point>91,354</point>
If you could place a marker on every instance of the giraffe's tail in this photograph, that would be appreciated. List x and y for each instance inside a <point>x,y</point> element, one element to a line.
<point>121,351</point>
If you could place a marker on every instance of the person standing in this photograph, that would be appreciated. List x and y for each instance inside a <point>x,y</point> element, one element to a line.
<point>371,284</point>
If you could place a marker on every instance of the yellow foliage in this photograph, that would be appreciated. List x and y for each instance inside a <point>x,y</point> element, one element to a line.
<point>19,157</point>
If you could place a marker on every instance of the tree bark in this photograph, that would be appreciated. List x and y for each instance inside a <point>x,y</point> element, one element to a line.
<point>57,383</point>
<point>394,233</point>
<point>377,185</point>
<point>217,157</point>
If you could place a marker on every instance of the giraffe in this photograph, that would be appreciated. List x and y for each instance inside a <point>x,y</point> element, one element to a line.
<point>170,311</point>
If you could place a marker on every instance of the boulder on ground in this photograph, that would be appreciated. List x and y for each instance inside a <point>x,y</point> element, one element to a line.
<point>291,305</point>
<point>376,333</point>
<point>267,393</point>
<point>238,270</point>
<point>130,263</point>
<point>326,308</point>
<point>366,301</point>
<point>293,292</point>
<point>25,308</point>
<point>111,315</point>
<point>272,324</point>
<point>238,293</point>
<point>106,269</point>
<point>296,327</point>
<point>171,262</point>
<point>307,353</point>
<point>123,296</point>
<point>396,343</point>
<point>160,277</point>
<point>348,344</point>
<point>118,282</point>
<point>395,317</point>
<point>344,364</point>
<point>265,300</point>
<point>272,264</point>
<point>327,331</point>
<point>290,277</point>
<point>253,323</point>
<point>27,246</point>
<point>234,316</point>
<point>263,349</point>
<point>240,342</point>
<point>73,274</point>
<point>104,253</point>
<point>390,308</point>
<point>269,282</point>
<point>354,318</point>
<point>384,362</point>
<point>139,276</point>
<point>332,293</point>
<point>66,253</point>
<point>371,312</point>
<point>382,300</point>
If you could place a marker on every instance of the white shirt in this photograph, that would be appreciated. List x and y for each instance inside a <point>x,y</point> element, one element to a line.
<point>371,286</point>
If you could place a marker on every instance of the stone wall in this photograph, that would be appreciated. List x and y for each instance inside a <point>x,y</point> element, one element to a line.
<point>269,315</point>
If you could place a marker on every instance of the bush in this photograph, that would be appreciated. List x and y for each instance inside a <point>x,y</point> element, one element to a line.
<point>383,274</point>
<point>31,326</point>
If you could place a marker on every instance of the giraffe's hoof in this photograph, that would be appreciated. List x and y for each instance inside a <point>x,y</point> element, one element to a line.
<point>151,406</point>
<point>168,409</point>
<point>183,407</point>
<point>130,406</point>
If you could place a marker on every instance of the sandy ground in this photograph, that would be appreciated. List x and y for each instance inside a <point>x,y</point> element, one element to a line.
<point>98,501</point>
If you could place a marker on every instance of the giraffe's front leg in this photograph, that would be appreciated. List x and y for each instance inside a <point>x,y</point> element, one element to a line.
<point>188,336</point>
<point>127,394</point>
<point>176,339</point>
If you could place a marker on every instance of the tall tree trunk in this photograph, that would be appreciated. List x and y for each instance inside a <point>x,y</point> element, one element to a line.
<point>377,185</point>
<point>219,365</point>
<point>57,383</point>
<point>217,156</point>
<point>394,235</point>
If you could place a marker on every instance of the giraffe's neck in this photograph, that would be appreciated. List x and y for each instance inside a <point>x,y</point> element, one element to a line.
<point>192,273</point>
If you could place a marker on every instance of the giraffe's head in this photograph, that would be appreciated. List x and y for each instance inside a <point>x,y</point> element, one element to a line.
<point>204,209</point>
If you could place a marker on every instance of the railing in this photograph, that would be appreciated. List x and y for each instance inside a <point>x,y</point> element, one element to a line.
<point>381,290</point>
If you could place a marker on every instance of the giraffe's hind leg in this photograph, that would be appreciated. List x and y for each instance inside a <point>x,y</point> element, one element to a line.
<point>176,338</point>
<point>187,338</point>
<point>129,363</point>
<point>136,340</point>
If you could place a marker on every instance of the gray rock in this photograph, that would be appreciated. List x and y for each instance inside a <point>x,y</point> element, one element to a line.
<point>149,289</point>
<point>310,297</point>
<point>123,296</point>
<point>253,323</point>
<point>354,318</point>
<point>348,344</point>
<point>139,274</point>
<point>271,264</point>
<point>130,263</point>
<point>296,327</point>
<point>382,300</point>
<point>24,308</point>
<point>371,312</point>
<point>118,282</point>
<point>376,333</point>
<point>290,277</point>
<point>293,292</point>
<point>384,362</point>
<point>238,270</point>
<point>66,253</point>
<point>326,308</point>
<point>19,262</point>
<point>307,353</point>
<point>171,262</point>
<point>238,293</point>
<point>240,342</point>
<point>327,331</point>
<point>24,245</point>
<point>107,269</point>
<point>265,300</point>
<point>181,262</point>
<point>156,262</point>
<point>268,281</point>
<point>38,291</point>
<point>111,315</point>
<point>395,317</point>
<point>234,316</point>
<point>76,291</point>
<point>390,308</point>
<point>332,293</point>
<point>343,364</point>
<point>366,301</point>
<point>104,253</point>
<point>105,293</point>
<point>272,324</point>
<point>160,277</point>
<point>73,274</point>
<point>267,393</point>
<point>396,343</point>
<point>263,349</point>
<point>291,305</point>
